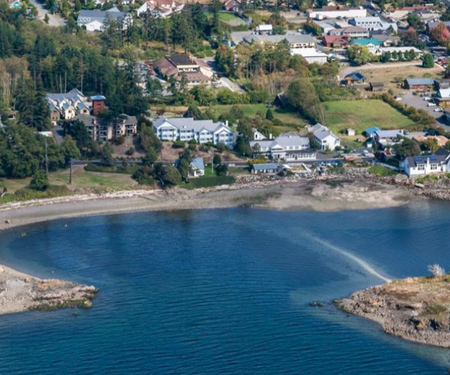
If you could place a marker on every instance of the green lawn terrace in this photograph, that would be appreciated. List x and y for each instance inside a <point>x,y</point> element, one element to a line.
<point>229,18</point>
<point>361,115</point>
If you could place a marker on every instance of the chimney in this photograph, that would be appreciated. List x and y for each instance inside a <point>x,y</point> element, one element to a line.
<point>226,123</point>
<point>270,136</point>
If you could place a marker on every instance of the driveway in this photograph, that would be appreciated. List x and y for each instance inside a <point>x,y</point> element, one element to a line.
<point>225,82</point>
<point>54,20</point>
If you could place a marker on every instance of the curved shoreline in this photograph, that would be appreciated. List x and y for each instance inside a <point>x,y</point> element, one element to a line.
<point>21,292</point>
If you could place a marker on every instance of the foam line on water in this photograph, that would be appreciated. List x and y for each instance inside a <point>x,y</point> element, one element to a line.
<point>362,263</point>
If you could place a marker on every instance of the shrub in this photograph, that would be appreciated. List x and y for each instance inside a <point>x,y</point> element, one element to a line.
<point>130,151</point>
<point>39,181</point>
<point>178,144</point>
<point>120,140</point>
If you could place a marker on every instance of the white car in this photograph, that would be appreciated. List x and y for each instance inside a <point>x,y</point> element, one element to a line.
<point>438,109</point>
<point>426,98</point>
<point>398,98</point>
<point>431,105</point>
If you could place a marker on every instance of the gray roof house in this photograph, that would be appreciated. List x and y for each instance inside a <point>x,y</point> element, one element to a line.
<point>271,168</point>
<point>198,167</point>
<point>96,20</point>
<point>295,40</point>
<point>67,105</point>
<point>325,137</point>
<point>424,165</point>
<point>185,129</point>
<point>388,137</point>
<point>287,146</point>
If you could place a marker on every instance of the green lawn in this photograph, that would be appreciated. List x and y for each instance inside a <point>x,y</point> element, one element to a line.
<point>228,18</point>
<point>289,117</point>
<point>363,114</point>
<point>80,179</point>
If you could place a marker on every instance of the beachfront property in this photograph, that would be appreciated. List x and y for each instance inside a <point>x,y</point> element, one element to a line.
<point>325,137</point>
<point>388,137</point>
<point>96,20</point>
<point>338,11</point>
<point>425,165</point>
<point>257,135</point>
<point>65,106</point>
<point>160,8</point>
<point>183,66</point>
<point>186,129</point>
<point>197,167</point>
<point>287,147</point>
<point>265,168</point>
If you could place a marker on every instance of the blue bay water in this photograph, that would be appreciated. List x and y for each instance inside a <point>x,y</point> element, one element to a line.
<point>222,292</point>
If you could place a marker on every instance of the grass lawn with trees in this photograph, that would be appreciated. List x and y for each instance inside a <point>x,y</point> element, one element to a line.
<point>81,179</point>
<point>288,116</point>
<point>363,114</point>
<point>228,17</point>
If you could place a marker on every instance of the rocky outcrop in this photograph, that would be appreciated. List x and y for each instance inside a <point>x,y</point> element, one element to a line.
<point>415,309</point>
<point>20,292</point>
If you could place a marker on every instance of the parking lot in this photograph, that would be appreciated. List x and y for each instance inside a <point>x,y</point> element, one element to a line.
<point>418,102</point>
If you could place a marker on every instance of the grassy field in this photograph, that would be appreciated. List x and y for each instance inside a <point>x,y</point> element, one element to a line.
<point>229,18</point>
<point>286,116</point>
<point>388,75</point>
<point>363,114</point>
<point>80,180</point>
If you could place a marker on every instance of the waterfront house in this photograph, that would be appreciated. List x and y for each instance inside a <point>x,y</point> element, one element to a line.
<point>325,137</point>
<point>424,165</point>
<point>287,147</point>
<point>258,136</point>
<point>197,167</point>
<point>186,129</point>
<point>266,168</point>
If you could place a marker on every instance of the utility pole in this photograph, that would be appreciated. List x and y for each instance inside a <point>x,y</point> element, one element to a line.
<point>70,175</point>
<point>46,156</point>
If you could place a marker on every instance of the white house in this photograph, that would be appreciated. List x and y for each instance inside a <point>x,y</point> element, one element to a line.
<point>96,20</point>
<point>198,167</point>
<point>258,136</point>
<point>325,137</point>
<point>186,129</point>
<point>311,55</point>
<point>336,12</point>
<point>288,147</point>
<point>388,137</point>
<point>424,165</point>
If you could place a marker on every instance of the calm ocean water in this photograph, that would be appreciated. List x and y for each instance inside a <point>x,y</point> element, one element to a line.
<point>222,292</point>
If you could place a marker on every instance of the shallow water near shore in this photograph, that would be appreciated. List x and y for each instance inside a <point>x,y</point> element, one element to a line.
<point>222,292</point>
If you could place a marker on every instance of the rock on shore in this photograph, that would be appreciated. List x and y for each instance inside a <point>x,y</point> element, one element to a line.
<point>415,309</point>
<point>20,292</point>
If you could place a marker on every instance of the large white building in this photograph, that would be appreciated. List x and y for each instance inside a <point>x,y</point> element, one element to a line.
<point>186,129</point>
<point>336,12</point>
<point>287,147</point>
<point>96,20</point>
<point>372,23</point>
<point>311,55</point>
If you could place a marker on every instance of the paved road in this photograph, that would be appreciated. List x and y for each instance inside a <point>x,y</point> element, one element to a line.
<point>54,19</point>
<point>225,82</point>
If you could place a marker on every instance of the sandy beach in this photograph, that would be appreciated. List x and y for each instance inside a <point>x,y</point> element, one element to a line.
<point>20,292</point>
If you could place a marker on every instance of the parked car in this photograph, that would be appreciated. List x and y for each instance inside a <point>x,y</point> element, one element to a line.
<point>431,104</point>
<point>438,109</point>
<point>398,98</point>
